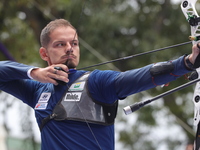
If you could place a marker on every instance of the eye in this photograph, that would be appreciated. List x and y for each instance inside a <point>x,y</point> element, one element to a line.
<point>60,44</point>
<point>75,43</point>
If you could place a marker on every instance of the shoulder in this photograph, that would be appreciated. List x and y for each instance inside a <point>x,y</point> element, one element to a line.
<point>77,74</point>
<point>103,74</point>
<point>101,85</point>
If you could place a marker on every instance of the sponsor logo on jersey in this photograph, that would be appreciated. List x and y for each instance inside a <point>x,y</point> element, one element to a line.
<point>77,86</point>
<point>75,96</point>
<point>43,101</point>
<point>40,106</point>
<point>44,97</point>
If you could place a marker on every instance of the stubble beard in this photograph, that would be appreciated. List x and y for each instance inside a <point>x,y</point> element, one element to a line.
<point>70,64</point>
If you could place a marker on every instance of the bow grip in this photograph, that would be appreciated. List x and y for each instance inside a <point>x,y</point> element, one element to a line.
<point>197,61</point>
<point>58,81</point>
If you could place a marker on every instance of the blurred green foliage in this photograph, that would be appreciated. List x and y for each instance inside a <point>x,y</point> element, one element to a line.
<point>114,29</point>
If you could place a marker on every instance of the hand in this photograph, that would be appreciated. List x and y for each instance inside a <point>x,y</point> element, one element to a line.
<point>195,53</point>
<point>50,75</point>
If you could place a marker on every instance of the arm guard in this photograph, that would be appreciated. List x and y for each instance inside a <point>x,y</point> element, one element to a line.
<point>161,68</point>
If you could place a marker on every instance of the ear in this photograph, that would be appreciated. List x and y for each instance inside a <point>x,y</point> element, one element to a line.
<point>44,54</point>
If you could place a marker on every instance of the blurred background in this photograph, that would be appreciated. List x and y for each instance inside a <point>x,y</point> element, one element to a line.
<point>108,29</point>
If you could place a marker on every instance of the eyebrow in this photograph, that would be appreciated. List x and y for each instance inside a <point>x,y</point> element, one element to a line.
<point>75,40</point>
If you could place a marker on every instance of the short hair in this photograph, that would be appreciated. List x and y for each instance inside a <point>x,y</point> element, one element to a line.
<point>45,34</point>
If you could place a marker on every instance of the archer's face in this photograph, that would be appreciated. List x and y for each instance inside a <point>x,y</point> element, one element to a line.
<point>63,48</point>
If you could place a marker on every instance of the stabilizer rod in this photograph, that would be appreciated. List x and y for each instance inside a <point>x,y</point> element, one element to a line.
<point>132,108</point>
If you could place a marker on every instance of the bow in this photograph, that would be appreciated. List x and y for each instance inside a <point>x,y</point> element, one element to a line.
<point>188,9</point>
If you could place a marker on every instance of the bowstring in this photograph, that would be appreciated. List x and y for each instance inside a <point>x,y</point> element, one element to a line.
<point>135,55</point>
<point>87,123</point>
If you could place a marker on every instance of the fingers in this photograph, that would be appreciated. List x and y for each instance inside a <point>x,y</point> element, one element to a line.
<point>58,74</point>
<point>50,74</point>
<point>61,67</point>
<point>55,72</point>
<point>198,46</point>
<point>196,49</point>
<point>195,53</point>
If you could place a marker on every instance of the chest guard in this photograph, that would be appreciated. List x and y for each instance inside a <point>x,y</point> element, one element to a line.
<point>77,105</point>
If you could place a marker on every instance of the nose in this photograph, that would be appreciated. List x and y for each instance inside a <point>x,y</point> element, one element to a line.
<point>69,48</point>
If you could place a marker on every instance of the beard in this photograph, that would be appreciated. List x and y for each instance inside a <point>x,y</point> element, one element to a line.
<point>70,64</point>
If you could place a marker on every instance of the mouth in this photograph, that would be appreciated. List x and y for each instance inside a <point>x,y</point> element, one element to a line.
<point>68,57</point>
<point>69,61</point>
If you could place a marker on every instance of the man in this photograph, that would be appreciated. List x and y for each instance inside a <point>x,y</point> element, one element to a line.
<point>79,115</point>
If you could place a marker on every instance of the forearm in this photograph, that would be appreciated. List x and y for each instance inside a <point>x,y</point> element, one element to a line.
<point>10,70</point>
<point>141,79</point>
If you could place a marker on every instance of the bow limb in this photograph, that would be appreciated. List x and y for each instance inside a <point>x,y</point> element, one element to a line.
<point>188,9</point>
